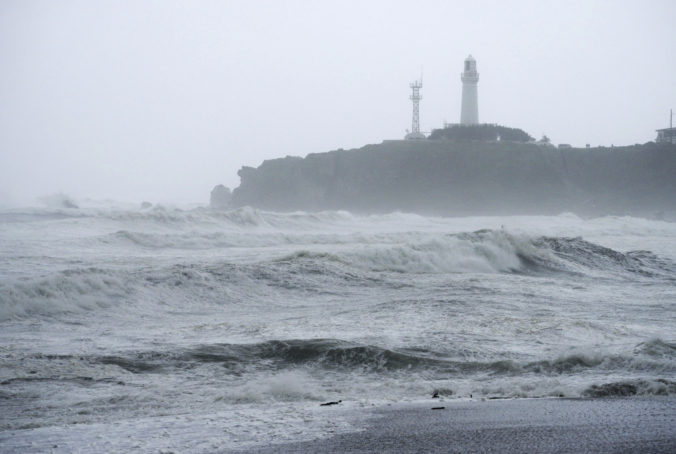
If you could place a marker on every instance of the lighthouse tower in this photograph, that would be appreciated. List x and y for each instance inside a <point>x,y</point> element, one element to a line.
<point>469,113</point>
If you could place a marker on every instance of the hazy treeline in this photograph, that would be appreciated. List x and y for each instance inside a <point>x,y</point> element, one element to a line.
<point>480,132</point>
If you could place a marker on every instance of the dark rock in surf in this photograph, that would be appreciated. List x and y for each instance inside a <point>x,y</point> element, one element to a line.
<point>441,392</point>
<point>618,389</point>
<point>220,198</point>
<point>326,404</point>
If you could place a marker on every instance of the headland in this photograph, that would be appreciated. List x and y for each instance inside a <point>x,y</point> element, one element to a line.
<point>490,171</point>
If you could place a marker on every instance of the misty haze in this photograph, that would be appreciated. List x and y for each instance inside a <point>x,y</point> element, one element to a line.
<point>337,226</point>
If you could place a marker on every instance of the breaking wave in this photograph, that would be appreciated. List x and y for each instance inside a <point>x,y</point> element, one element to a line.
<point>67,291</point>
<point>334,356</point>
<point>61,207</point>
<point>484,251</point>
<point>638,387</point>
<point>495,251</point>
<point>323,268</point>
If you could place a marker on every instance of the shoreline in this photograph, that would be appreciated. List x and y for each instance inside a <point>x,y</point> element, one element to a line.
<point>548,425</point>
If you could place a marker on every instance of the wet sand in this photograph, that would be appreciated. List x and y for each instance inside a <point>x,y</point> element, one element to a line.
<point>612,425</point>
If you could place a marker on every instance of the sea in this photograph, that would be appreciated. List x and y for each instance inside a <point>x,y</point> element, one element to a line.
<point>183,329</point>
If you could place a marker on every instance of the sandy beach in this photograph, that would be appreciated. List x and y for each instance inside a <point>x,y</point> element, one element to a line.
<point>613,425</point>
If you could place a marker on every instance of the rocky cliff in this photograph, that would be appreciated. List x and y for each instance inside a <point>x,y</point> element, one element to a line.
<point>468,177</point>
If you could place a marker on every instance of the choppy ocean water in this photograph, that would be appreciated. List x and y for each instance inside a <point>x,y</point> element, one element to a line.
<point>196,331</point>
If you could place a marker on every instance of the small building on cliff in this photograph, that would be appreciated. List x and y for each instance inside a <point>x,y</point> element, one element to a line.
<point>666,135</point>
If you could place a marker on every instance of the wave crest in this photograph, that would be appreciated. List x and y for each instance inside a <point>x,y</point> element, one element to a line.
<point>67,291</point>
<point>348,356</point>
<point>656,387</point>
<point>495,251</point>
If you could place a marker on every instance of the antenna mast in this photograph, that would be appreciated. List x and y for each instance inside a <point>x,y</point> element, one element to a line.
<point>415,123</point>
<point>416,97</point>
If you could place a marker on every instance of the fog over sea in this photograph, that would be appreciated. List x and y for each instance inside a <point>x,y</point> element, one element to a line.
<point>128,329</point>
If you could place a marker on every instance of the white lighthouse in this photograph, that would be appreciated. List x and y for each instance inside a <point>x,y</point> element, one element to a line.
<point>469,113</point>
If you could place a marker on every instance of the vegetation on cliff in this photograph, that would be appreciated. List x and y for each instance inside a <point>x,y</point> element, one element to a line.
<point>486,132</point>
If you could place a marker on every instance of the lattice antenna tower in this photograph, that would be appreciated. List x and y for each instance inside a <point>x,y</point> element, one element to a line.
<point>415,98</point>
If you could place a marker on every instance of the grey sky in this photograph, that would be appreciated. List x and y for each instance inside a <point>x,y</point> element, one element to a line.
<point>160,101</point>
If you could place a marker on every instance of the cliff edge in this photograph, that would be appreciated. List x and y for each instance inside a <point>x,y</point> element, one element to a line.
<point>464,177</point>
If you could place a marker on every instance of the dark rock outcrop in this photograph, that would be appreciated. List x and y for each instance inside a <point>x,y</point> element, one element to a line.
<point>618,389</point>
<point>468,177</point>
<point>220,198</point>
